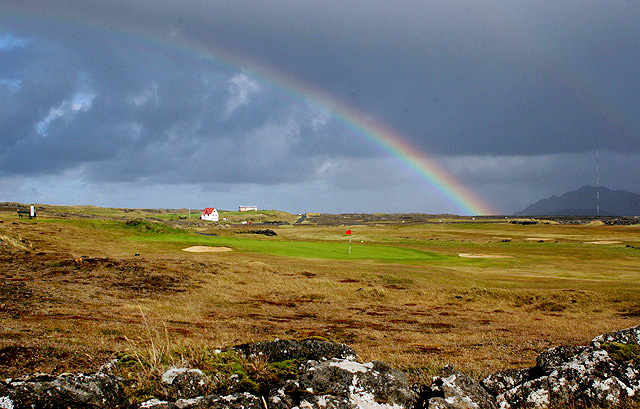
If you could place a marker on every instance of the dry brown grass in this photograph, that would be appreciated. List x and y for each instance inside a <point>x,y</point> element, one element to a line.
<point>61,311</point>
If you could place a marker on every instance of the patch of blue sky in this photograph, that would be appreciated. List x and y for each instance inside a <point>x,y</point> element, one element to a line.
<point>8,41</point>
<point>11,83</point>
<point>81,102</point>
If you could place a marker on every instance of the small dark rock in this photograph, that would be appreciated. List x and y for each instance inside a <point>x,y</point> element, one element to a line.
<point>266,232</point>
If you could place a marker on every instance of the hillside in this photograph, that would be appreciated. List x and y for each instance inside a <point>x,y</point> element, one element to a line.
<point>80,286</point>
<point>582,202</point>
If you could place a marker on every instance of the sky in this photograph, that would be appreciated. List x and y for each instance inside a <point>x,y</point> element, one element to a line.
<point>460,107</point>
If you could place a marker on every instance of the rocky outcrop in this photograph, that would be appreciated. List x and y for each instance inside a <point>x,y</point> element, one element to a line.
<point>319,374</point>
<point>332,379</point>
<point>605,373</point>
<point>349,384</point>
<point>98,390</point>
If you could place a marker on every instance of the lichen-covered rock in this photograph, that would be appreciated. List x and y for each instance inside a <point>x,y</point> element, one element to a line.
<point>6,402</point>
<point>452,389</point>
<point>185,382</point>
<point>337,383</point>
<point>347,384</point>
<point>549,359</point>
<point>501,381</point>
<point>96,390</point>
<point>575,382</point>
<point>335,378</point>
<point>579,375</point>
<point>284,349</point>
<point>157,404</point>
<point>531,394</point>
<point>590,378</point>
<point>624,336</point>
<point>235,401</point>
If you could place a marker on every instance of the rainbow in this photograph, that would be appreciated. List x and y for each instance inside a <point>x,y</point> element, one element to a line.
<point>426,168</point>
<point>384,138</point>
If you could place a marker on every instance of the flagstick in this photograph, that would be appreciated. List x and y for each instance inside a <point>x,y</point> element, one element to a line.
<point>349,245</point>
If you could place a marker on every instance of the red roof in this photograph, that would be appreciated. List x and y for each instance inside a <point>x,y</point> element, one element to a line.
<point>208,210</point>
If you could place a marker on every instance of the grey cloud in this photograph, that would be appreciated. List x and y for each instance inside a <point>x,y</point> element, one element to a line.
<point>456,78</point>
<point>499,89</point>
<point>155,119</point>
<point>150,117</point>
<point>461,78</point>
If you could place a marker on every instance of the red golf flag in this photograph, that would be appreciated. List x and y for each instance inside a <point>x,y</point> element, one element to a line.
<point>348,232</point>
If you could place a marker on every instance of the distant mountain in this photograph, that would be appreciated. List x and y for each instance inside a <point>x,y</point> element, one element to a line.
<point>582,202</point>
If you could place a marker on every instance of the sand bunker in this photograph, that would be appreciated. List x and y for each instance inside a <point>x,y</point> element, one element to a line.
<point>474,255</point>
<point>603,242</point>
<point>539,239</point>
<point>206,249</point>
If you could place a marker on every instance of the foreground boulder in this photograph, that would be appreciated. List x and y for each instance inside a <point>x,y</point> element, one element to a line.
<point>348,384</point>
<point>98,390</point>
<point>605,373</point>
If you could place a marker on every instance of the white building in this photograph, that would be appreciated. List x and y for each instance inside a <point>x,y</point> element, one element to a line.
<point>248,208</point>
<point>210,214</point>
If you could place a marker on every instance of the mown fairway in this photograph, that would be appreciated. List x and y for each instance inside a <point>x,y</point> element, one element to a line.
<point>73,292</point>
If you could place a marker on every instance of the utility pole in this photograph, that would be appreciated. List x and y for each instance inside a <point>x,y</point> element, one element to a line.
<point>597,178</point>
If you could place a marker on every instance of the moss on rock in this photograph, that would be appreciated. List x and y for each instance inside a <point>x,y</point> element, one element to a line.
<point>623,352</point>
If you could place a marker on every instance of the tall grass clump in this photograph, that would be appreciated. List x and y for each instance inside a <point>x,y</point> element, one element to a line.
<point>227,371</point>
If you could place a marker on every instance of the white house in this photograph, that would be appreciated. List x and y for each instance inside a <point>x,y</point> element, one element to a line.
<point>210,214</point>
<point>248,208</point>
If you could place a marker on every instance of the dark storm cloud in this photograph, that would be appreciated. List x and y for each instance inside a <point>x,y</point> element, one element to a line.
<point>126,113</point>
<point>493,77</point>
<point>457,78</point>
<point>27,91</point>
<point>499,90</point>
